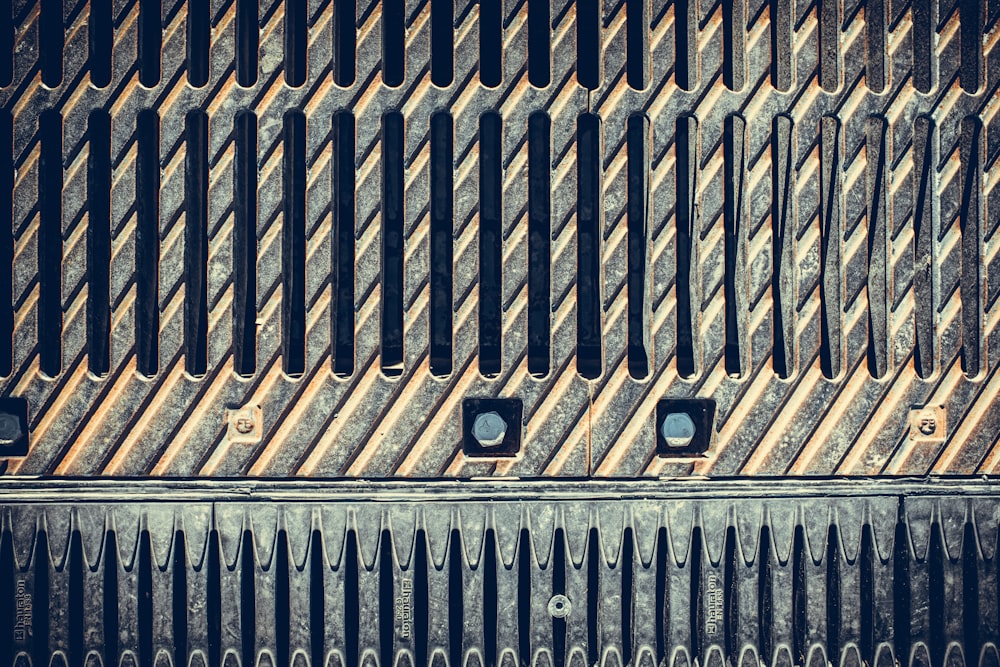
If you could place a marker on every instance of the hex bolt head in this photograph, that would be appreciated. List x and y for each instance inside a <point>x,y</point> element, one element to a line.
<point>678,429</point>
<point>489,429</point>
<point>10,429</point>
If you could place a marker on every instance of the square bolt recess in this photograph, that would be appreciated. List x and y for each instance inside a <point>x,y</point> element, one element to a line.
<point>684,426</point>
<point>13,427</point>
<point>491,427</point>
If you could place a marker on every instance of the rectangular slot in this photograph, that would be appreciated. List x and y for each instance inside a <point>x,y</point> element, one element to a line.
<point>924,189</point>
<point>829,44</point>
<point>51,39</point>
<point>589,354</point>
<point>442,47</point>
<point>296,38</point>
<point>875,45</point>
<point>923,43</point>
<point>780,13</point>
<point>638,245</point>
<point>7,42</point>
<point>783,234</point>
<point>247,42</point>
<point>6,243</point>
<point>539,242</point>
<point>734,30</point>
<point>99,243</point>
<point>442,196</point>
<point>198,37</point>
<point>147,241</point>
<point>50,243</point>
<point>970,223</point>
<point>344,39</point>
<point>831,235</point>
<point>393,41</point>
<point>293,245</point>
<point>343,254</point>
<point>490,243</point>
<point>150,42</point>
<point>538,43</point>
<point>686,34</point>
<point>245,245</point>
<point>736,280</point>
<point>878,247</point>
<point>196,243</point>
<point>971,39</point>
<point>393,194</point>
<point>637,43</point>
<point>100,41</point>
<point>490,43</point>
<point>588,43</point>
<point>688,305</point>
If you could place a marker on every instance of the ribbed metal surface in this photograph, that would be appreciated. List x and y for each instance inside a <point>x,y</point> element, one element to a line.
<point>801,229</point>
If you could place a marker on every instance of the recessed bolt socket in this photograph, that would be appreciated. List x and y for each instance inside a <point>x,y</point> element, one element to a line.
<point>491,427</point>
<point>684,426</point>
<point>13,427</point>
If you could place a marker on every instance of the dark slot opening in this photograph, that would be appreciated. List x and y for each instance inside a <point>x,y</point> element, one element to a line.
<point>317,597</point>
<point>780,13</point>
<point>282,609</point>
<point>245,245</point>
<point>180,599</point>
<point>734,34</point>
<point>421,595</point>
<point>970,223</point>
<point>971,17</point>
<point>783,237</point>
<point>936,594</point>
<point>589,358</point>
<point>696,613</point>
<point>637,43</point>
<point>490,42</point>
<point>8,611</point>
<point>970,586</point>
<point>343,255</point>
<point>100,42</point>
<point>829,44</point>
<point>198,40</point>
<point>923,43</point>
<point>293,244</point>
<point>923,245</point>
<point>662,594</point>
<point>40,601</point>
<point>878,249</point>
<point>442,36</point>
<point>638,244</point>
<point>144,605</point>
<point>799,596</point>
<point>686,34</point>
<point>352,601</point>
<point>833,591</point>
<point>901,586</point>
<point>386,594</point>
<point>6,243</point>
<point>490,241</point>
<point>731,607</point>
<point>248,598</point>
<point>147,242</point>
<point>489,565</point>
<point>456,604</point>
<point>150,42</point>
<point>831,232</point>
<point>247,41</point>
<point>213,600</point>
<point>875,46</point>
<point>393,41</point>
<point>866,562</point>
<point>735,277</point>
<point>594,557</point>
<point>50,243</point>
<point>109,617</point>
<point>442,194</point>
<point>588,43</point>
<point>196,243</point>
<point>765,605</point>
<point>99,243</point>
<point>7,41</point>
<point>524,566</point>
<point>393,195</point>
<point>628,595</point>
<point>50,41</point>
<point>75,595</point>
<point>344,39</point>
<point>538,43</point>
<point>539,242</point>
<point>558,588</point>
<point>296,41</point>
<point>687,166</point>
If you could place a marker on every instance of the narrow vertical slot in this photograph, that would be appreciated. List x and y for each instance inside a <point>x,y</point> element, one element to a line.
<point>456,602</point>
<point>420,603</point>
<point>800,600</point>
<point>866,565</point>
<point>147,242</point>
<point>539,242</point>
<point>783,235</point>
<point>442,195</point>
<point>875,45</point>
<point>344,41</point>
<point>971,17</point>
<point>393,194</point>
<point>442,38</point>
<point>524,567</point>
<point>248,598</point>
<point>970,224</point>
<point>538,43</point>
<point>734,31</point>
<point>393,41</point>
<point>589,356</point>
<point>736,280</point>
<point>150,42</point>
<point>558,560</point>
<point>245,245</point>
<point>686,36</point>
<point>6,243</point>
<point>971,596</point>
<point>831,233</point>
<point>142,570</point>
<point>317,597</point>
<point>74,567</point>
<point>50,243</point>
<point>833,609</point>
<point>781,44</point>
<point>490,43</point>
<point>923,43</point>
<point>282,601</point>
<point>627,564</point>
<point>343,256</point>
<point>352,598</point>
<point>51,39</point>
<point>638,212</point>
<point>696,610</point>
<point>661,595</point>
<point>213,596</point>
<point>8,593</point>
<point>7,42</point>
<point>99,243</point>
<point>490,242</point>
<point>247,42</point>
<point>878,247</point>
<point>936,587</point>
<point>732,561</point>
<point>296,39</point>
<point>100,42</point>
<point>293,244</point>
<point>593,596</point>
<point>829,44</point>
<point>39,636</point>
<point>199,31</point>
<point>179,594</point>
<point>490,605</point>
<point>109,618</point>
<point>688,305</point>
<point>588,43</point>
<point>386,595</point>
<point>637,43</point>
<point>924,189</point>
<point>765,602</point>
<point>196,243</point>
<point>901,598</point>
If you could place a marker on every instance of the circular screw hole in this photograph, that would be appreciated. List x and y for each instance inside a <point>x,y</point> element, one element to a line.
<point>560,606</point>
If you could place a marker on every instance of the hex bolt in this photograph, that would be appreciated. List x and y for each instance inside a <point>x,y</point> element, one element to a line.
<point>10,429</point>
<point>677,429</point>
<point>489,429</point>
